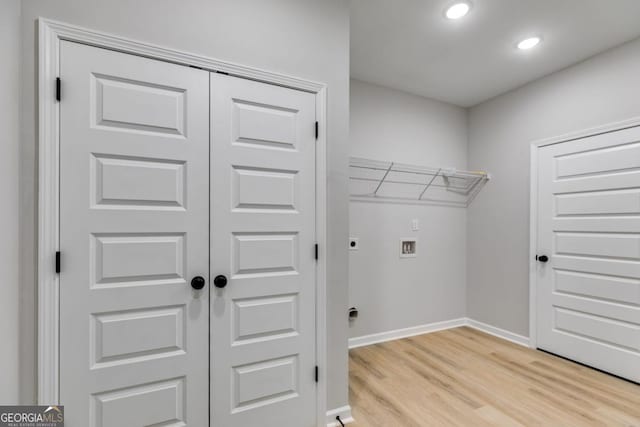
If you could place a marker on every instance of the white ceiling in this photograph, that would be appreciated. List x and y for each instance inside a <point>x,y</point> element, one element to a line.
<point>410,45</point>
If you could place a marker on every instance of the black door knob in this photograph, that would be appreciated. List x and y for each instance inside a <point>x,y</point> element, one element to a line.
<point>543,258</point>
<point>197,282</point>
<point>220,281</point>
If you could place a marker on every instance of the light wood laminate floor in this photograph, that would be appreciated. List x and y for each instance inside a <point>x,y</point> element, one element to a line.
<point>463,377</point>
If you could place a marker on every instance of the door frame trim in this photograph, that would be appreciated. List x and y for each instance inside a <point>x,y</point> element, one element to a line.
<point>50,34</point>
<point>535,146</point>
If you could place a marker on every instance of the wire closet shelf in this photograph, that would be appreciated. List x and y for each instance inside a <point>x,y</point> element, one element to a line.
<point>374,180</point>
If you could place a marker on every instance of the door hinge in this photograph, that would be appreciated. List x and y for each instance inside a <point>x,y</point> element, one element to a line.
<point>317,373</point>
<point>58,262</point>
<point>58,89</point>
<point>316,251</point>
<point>317,130</point>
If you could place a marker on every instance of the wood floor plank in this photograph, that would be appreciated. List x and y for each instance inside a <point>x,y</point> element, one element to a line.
<point>464,377</point>
<point>496,417</point>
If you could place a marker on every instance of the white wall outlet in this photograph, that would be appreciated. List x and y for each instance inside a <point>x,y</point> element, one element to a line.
<point>408,248</point>
<point>354,244</point>
<point>415,225</point>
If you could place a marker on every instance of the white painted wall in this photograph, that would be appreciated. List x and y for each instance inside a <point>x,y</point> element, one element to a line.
<point>393,293</point>
<point>9,212</point>
<point>601,90</point>
<point>305,38</point>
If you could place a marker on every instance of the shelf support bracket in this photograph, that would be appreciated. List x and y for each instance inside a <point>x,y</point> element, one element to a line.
<point>429,184</point>
<point>383,178</point>
<point>476,189</point>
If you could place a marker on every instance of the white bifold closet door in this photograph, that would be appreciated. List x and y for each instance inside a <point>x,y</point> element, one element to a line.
<point>134,230</point>
<point>262,240</point>
<point>588,292</point>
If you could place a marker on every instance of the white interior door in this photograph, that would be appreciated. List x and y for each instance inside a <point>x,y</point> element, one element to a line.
<point>588,292</point>
<point>262,241</point>
<point>134,215</point>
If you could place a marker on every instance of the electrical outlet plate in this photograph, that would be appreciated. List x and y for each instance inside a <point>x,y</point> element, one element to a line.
<point>408,248</point>
<point>354,244</point>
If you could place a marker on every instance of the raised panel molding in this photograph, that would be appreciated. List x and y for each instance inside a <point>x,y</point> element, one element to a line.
<point>266,126</point>
<point>613,202</point>
<point>610,245</point>
<point>165,401</point>
<point>137,183</point>
<point>602,329</point>
<point>260,319</point>
<point>264,189</point>
<point>610,159</point>
<point>265,253</point>
<point>125,337</point>
<point>127,105</point>
<point>262,383</point>
<point>133,259</point>
<point>598,286</point>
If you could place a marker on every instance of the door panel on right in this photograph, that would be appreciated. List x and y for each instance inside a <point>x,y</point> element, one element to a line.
<point>262,238</point>
<point>588,294</point>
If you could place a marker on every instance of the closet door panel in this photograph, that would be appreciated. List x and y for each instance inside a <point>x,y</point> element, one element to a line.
<point>262,240</point>
<point>133,232</point>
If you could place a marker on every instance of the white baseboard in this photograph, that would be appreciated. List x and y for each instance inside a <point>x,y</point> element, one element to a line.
<point>405,333</point>
<point>434,327</point>
<point>345,416</point>
<point>500,333</point>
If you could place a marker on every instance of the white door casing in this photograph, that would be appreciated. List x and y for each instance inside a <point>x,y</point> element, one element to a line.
<point>134,183</point>
<point>263,323</point>
<point>588,224</point>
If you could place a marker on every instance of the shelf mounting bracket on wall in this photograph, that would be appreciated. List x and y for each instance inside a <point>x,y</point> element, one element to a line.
<point>433,178</point>
<point>383,178</point>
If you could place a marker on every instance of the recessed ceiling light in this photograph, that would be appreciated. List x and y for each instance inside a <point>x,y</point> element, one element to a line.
<point>528,43</point>
<point>458,10</point>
